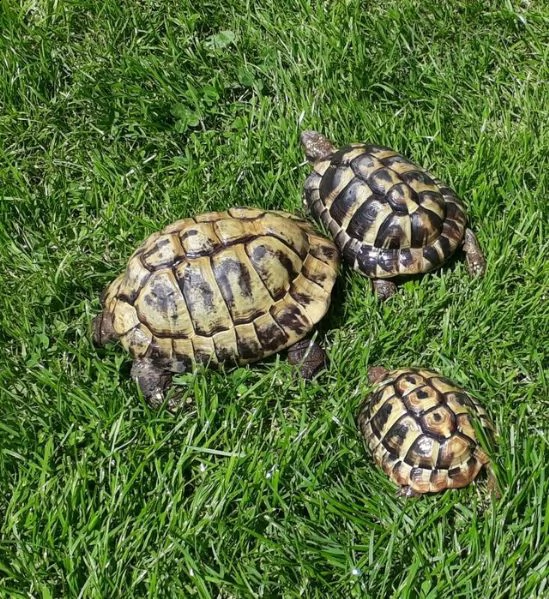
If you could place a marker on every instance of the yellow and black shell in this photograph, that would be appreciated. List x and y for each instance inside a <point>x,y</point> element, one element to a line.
<point>418,426</point>
<point>388,216</point>
<point>222,287</point>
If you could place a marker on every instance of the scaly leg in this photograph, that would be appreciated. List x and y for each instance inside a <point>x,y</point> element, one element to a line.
<point>309,355</point>
<point>383,288</point>
<point>474,258</point>
<point>407,492</point>
<point>152,380</point>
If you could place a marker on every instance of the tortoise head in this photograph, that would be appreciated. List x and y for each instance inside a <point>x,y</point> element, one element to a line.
<point>316,146</point>
<point>376,373</point>
<point>103,329</point>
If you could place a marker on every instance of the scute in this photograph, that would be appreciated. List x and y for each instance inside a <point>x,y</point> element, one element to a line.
<point>129,282</point>
<point>201,299</point>
<point>423,453</point>
<point>274,264</point>
<point>165,251</point>
<point>161,306</point>
<point>426,227</point>
<point>418,426</point>
<point>439,422</point>
<point>242,290</point>
<point>421,399</point>
<point>270,334</point>
<point>382,180</point>
<point>137,341</point>
<point>199,240</point>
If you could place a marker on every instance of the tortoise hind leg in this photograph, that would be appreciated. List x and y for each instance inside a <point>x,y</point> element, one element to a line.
<point>309,355</point>
<point>476,263</point>
<point>407,491</point>
<point>492,482</point>
<point>383,288</point>
<point>152,380</point>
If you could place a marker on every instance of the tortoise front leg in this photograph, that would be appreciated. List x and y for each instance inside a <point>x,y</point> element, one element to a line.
<point>407,491</point>
<point>152,380</point>
<point>309,355</point>
<point>474,258</point>
<point>383,288</point>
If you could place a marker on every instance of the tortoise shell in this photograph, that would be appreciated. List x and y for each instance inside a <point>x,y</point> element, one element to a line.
<point>418,426</point>
<point>388,216</point>
<point>222,287</point>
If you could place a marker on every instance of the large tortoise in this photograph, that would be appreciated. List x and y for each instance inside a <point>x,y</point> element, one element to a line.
<point>388,217</point>
<point>419,427</point>
<point>220,288</point>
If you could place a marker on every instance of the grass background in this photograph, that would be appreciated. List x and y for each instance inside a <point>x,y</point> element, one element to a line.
<point>119,117</point>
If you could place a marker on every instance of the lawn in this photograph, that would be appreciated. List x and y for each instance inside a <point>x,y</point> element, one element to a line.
<point>118,117</point>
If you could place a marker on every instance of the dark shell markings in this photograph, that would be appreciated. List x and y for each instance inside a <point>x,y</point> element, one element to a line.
<point>419,428</point>
<point>220,288</point>
<point>388,216</point>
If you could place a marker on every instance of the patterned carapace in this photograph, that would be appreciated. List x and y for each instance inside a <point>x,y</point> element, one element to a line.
<point>223,287</point>
<point>387,216</point>
<point>418,426</point>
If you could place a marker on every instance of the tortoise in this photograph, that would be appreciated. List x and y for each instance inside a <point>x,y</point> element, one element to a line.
<point>389,217</point>
<point>220,288</point>
<point>419,427</point>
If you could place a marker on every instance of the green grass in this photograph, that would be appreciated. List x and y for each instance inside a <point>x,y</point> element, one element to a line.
<point>117,118</point>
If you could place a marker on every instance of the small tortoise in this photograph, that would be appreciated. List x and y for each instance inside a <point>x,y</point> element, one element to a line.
<point>388,217</point>
<point>418,426</point>
<point>222,287</point>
